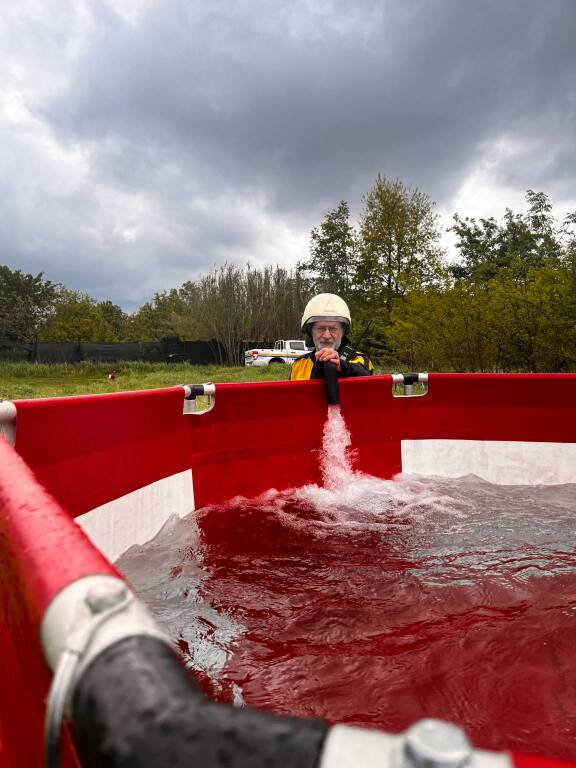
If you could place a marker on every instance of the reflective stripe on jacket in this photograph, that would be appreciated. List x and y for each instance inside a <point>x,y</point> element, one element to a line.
<point>308,368</point>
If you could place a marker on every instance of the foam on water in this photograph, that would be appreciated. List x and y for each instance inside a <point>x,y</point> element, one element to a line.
<point>378,602</point>
<point>168,574</point>
<point>354,499</point>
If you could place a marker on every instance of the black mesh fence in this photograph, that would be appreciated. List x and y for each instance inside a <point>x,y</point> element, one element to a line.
<point>175,350</point>
<point>55,352</point>
<point>149,351</point>
<point>15,351</point>
<point>170,349</point>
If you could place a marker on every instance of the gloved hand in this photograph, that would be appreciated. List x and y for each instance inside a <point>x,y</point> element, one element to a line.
<point>328,355</point>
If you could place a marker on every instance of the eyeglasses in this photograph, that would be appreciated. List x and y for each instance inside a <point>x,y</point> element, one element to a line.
<point>333,330</point>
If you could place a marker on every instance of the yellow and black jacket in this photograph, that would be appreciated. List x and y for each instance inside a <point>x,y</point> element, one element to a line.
<point>307,367</point>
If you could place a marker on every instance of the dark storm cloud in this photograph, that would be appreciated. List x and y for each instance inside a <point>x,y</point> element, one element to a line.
<point>306,104</point>
<point>201,107</point>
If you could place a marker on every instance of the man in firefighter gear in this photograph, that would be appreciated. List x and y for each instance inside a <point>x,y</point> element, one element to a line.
<point>327,320</point>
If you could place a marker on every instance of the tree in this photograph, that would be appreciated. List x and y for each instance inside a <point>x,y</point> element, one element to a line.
<point>443,328</point>
<point>246,304</point>
<point>229,304</point>
<point>510,304</point>
<point>115,318</point>
<point>77,318</point>
<point>398,248</point>
<point>333,248</point>
<point>534,319</point>
<point>26,303</point>
<point>522,242</point>
<point>519,321</point>
<point>478,246</point>
<point>169,313</point>
<point>398,252</point>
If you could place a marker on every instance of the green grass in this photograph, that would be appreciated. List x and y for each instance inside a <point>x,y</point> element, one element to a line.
<point>19,381</point>
<point>29,380</point>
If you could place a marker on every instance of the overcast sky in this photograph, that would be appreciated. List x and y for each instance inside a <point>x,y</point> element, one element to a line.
<point>143,142</point>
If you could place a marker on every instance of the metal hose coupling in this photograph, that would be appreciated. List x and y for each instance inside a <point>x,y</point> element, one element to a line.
<point>428,743</point>
<point>82,621</point>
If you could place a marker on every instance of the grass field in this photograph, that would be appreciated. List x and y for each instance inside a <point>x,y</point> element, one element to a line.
<point>30,380</point>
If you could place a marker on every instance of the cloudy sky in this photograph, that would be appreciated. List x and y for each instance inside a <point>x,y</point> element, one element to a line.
<point>143,142</point>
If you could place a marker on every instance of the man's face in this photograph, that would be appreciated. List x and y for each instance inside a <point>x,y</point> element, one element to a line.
<point>327,334</point>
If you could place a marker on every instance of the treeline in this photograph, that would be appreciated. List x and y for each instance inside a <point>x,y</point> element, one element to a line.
<point>508,303</point>
<point>34,309</point>
<point>228,305</point>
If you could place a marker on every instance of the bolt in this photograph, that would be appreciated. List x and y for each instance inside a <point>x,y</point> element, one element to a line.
<point>436,744</point>
<point>104,596</point>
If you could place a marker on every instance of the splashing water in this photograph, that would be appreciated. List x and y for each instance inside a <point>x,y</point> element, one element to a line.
<point>379,602</point>
<point>336,455</point>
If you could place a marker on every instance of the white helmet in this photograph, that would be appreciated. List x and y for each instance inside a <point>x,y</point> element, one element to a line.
<point>326,306</point>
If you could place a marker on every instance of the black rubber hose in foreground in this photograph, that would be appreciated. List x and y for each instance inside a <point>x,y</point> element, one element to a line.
<point>332,388</point>
<point>137,707</point>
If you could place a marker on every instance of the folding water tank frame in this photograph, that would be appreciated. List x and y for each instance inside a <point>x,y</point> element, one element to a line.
<point>73,635</point>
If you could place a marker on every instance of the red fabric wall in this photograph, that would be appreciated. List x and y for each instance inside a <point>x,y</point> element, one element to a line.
<point>90,450</point>
<point>41,551</point>
<point>528,407</point>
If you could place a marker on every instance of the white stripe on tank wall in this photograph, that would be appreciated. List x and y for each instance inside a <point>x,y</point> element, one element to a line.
<point>499,462</point>
<point>138,516</point>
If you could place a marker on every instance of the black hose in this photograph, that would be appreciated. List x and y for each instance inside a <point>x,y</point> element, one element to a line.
<point>135,706</point>
<point>332,387</point>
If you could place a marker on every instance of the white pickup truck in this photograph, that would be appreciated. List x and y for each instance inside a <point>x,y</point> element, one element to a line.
<point>283,352</point>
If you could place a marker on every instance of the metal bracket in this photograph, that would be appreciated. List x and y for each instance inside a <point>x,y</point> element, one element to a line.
<point>192,391</point>
<point>8,421</point>
<point>85,618</point>
<point>407,381</point>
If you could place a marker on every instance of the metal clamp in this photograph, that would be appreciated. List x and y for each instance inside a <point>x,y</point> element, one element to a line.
<point>407,381</point>
<point>8,421</point>
<point>103,601</point>
<point>82,621</point>
<point>192,391</point>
